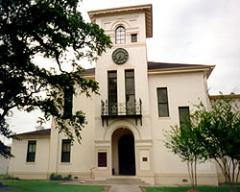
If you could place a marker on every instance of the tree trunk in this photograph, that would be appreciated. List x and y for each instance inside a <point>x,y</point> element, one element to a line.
<point>237,175</point>
<point>190,172</point>
<point>195,172</point>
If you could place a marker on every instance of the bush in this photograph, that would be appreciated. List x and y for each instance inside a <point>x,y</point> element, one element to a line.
<point>67,178</point>
<point>8,177</point>
<point>58,177</point>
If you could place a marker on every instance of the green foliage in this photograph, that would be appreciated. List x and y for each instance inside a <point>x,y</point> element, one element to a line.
<point>211,134</point>
<point>8,177</point>
<point>186,188</point>
<point>184,142</point>
<point>55,30</point>
<point>220,136</point>
<point>58,177</point>
<point>54,176</point>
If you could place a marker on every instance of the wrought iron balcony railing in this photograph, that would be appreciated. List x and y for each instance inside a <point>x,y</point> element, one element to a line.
<point>121,110</point>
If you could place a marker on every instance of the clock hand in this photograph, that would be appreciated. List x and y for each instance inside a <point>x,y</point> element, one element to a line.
<point>119,57</point>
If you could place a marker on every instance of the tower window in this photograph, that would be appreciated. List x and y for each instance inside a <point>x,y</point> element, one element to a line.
<point>120,35</point>
<point>112,92</point>
<point>130,92</point>
<point>133,37</point>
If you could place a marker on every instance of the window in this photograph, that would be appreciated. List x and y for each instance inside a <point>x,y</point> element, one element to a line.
<point>31,151</point>
<point>130,92</point>
<point>133,37</point>
<point>184,115</point>
<point>162,95</point>
<point>112,92</point>
<point>66,150</point>
<point>102,159</point>
<point>68,101</point>
<point>120,35</point>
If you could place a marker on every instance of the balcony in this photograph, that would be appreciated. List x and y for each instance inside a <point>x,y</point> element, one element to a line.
<point>129,110</point>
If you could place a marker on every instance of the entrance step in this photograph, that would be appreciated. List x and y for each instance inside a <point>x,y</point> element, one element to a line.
<point>126,180</point>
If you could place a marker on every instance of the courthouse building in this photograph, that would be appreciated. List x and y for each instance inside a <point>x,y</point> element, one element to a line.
<point>139,101</point>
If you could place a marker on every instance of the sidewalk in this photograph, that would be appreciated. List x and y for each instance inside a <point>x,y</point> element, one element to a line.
<point>115,185</point>
<point>124,188</point>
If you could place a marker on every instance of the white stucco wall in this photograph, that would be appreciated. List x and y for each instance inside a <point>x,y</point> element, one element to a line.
<point>184,89</point>
<point>4,164</point>
<point>30,170</point>
<point>82,154</point>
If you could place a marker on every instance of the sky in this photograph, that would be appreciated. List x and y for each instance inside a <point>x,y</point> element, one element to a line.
<point>185,31</point>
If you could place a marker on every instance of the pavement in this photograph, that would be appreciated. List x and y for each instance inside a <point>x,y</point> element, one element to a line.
<point>124,188</point>
<point>115,185</point>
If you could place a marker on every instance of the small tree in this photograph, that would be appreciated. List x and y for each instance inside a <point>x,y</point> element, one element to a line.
<point>220,137</point>
<point>184,142</point>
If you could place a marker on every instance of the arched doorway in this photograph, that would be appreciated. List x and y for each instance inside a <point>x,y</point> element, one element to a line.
<point>123,152</point>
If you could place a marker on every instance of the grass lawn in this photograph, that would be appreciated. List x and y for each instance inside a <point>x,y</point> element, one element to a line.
<point>183,189</point>
<point>46,186</point>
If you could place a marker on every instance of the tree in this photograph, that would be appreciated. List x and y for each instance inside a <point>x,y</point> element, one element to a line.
<point>55,30</point>
<point>184,142</point>
<point>210,134</point>
<point>220,137</point>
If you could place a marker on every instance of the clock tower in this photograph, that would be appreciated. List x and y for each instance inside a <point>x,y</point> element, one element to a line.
<point>122,108</point>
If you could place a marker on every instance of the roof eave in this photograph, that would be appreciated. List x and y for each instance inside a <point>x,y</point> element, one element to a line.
<point>221,96</point>
<point>47,132</point>
<point>208,69</point>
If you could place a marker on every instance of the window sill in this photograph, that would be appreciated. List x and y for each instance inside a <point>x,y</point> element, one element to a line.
<point>164,118</point>
<point>129,44</point>
<point>30,163</point>
<point>65,163</point>
<point>102,168</point>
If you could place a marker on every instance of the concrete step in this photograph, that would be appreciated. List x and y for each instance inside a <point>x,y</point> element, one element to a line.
<point>125,180</point>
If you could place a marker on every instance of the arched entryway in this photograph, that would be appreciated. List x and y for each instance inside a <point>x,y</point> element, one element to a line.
<point>123,152</point>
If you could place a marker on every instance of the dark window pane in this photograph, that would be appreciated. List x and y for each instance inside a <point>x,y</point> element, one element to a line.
<point>129,85</point>
<point>102,159</point>
<point>184,115</point>
<point>112,74</point>
<point>162,95</point>
<point>129,73</point>
<point>31,151</point>
<point>163,110</point>
<point>134,37</point>
<point>130,92</point>
<point>112,92</point>
<point>66,150</point>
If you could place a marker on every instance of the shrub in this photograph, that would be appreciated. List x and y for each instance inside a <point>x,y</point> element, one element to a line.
<point>8,177</point>
<point>58,177</point>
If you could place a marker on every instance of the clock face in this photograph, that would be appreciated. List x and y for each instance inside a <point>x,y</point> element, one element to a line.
<point>120,56</point>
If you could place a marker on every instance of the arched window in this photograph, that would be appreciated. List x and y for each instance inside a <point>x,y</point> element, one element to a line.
<point>120,35</point>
